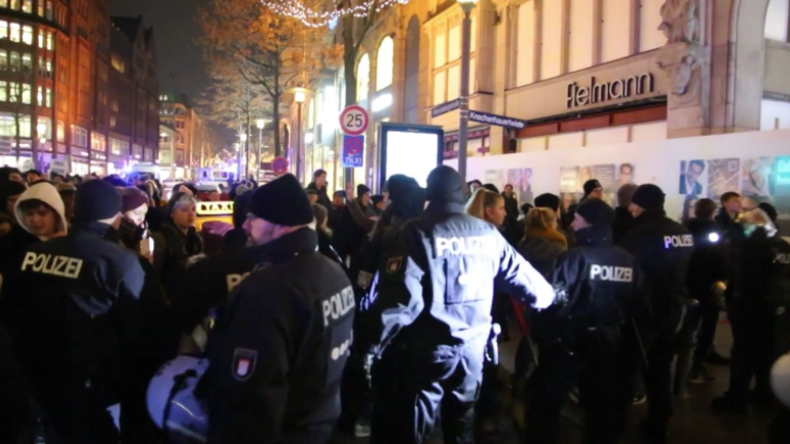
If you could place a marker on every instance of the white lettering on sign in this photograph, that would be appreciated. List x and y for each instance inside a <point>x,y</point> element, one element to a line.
<point>471,245</point>
<point>681,241</point>
<point>611,273</point>
<point>62,266</point>
<point>338,305</point>
<point>234,279</point>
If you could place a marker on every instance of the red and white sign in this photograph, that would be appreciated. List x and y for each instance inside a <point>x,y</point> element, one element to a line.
<point>354,120</point>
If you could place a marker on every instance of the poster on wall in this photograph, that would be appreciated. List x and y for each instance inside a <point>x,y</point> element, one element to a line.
<point>723,176</point>
<point>626,174</point>
<point>521,180</point>
<point>496,177</point>
<point>692,177</point>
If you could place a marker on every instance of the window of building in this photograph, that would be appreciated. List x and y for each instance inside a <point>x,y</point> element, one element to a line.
<point>15,32</point>
<point>3,91</point>
<point>50,41</point>
<point>3,60</point>
<point>580,40</point>
<point>40,96</point>
<point>27,6</point>
<point>3,29</point>
<point>15,64</point>
<point>60,131</point>
<point>49,10</point>
<point>27,62</point>
<point>8,123</point>
<point>41,37</point>
<point>446,64</point>
<point>385,63</point>
<point>79,136</point>
<point>25,126</point>
<point>27,93</point>
<point>118,64</point>
<point>112,122</point>
<point>650,34</point>
<point>27,35</point>
<point>48,98</point>
<point>776,20</point>
<point>44,123</point>
<point>40,9</point>
<point>180,124</point>
<point>14,4</point>
<point>3,3</point>
<point>363,77</point>
<point>98,142</point>
<point>114,106</point>
<point>615,29</point>
<point>13,92</point>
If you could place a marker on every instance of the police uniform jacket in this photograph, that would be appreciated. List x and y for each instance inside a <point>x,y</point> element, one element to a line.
<point>277,352</point>
<point>763,276</point>
<point>662,248</point>
<point>438,279</point>
<point>707,264</point>
<point>76,313</point>
<point>207,284</point>
<point>600,286</point>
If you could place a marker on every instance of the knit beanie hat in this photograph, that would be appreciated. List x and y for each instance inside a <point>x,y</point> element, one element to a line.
<point>362,190</point>
<point>596,212</point>
<point>590,186</point>
<point>548,200</point>
<point>282,202</point>
<point>96,200</point>
<point>132,198</point>
<point>491,187</point>
<point>649,197</point>
<point>444,185</point>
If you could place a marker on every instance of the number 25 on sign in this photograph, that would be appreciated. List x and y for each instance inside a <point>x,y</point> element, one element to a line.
<point>354,120</point>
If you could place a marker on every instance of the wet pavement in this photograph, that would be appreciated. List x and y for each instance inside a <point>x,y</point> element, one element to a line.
<point>693,423</point>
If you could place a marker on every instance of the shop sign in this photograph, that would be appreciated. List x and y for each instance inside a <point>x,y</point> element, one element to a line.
<point>633,86</point>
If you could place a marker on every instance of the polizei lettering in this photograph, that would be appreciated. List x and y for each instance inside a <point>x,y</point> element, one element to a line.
<point>62,266</point>
<point>782,258</point>
<point>338,305</point>
<point>471,245</point>
<point>235,279</point>
<point>678,241</point>
<point>611,273</point>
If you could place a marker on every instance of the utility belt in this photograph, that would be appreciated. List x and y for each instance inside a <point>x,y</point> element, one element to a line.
<point>569,337</point>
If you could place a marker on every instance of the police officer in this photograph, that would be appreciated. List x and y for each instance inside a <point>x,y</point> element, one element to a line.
<point>277,352</point>
<point>77,322</point>
<point>760,292</point>
<point>662,248</point>
<point>435,296</point>
<point>580,336</point>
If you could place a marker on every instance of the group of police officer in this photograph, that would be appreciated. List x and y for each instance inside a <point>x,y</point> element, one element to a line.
<point>282,325</point>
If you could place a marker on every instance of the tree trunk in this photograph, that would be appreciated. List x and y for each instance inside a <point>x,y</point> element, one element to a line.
<point>276,118</point>
<point>350,77</point>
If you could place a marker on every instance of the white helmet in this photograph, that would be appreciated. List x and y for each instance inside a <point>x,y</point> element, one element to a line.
<point>172,403</point>
<point>780,379</point>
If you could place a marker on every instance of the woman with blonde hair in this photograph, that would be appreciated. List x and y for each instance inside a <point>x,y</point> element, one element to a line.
<point>487,205</point>
<point>542,243</point>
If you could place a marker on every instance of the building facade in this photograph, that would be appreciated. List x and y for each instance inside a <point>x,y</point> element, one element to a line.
<point>185,138</point>
<point>56,87</point>
<point>567,74</point>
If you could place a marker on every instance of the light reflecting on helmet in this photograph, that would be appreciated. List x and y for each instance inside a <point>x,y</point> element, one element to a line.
<point>780,379</point>
<point>172,403</point>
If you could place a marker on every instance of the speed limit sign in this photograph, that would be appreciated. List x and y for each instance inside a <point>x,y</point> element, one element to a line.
<point>354,120</point>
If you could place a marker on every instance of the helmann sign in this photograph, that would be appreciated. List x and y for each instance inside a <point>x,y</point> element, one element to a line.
<point>604,92</point>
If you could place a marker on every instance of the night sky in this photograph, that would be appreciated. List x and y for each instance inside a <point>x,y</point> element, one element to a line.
<point>181,67</point>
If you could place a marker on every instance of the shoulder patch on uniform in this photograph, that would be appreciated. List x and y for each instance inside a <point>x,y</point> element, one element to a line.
<point>244,361</point>
<point>394,264</point>
<point>363,279</point>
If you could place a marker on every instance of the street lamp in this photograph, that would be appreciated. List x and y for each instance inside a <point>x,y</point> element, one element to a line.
<point>300,96</point>
<point>260,123</point>
<point>463,99</point>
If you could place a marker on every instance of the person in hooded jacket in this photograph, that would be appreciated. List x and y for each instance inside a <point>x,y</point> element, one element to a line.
<point>319,185</point>
<point>176,241</point>
<point>623,220</point>
<point>581,335</point>
<point>325,234</point>
<point>407,201</point>
<point>76,309</point>
<point>707,274</point>
<point>662,248</point>
<point>761,293</point>
<point>40,216</point>
<point>357,221</point>
<point>440,314</point>
<point>9,193</point>
<point>511,203</point>
<point>592,190</point>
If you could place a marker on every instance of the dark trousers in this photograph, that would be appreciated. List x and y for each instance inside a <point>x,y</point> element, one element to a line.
<point>406,407</point>
<point>597,367</point>
<point>354,394</point>
<point>78,422</point>
<point>658,375</point>
<point>753,351</point>
<point>708,318</point>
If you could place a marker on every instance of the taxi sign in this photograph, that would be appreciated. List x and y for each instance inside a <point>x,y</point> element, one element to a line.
<point>215,208</point>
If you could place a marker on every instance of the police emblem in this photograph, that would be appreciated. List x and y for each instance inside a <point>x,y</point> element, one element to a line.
<point>244,361</point>
<point>394,264</point>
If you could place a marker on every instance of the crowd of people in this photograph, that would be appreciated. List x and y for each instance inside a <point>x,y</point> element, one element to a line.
<point>368,315</point>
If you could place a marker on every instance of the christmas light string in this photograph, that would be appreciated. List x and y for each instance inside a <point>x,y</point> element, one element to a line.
<point>317,19</point>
